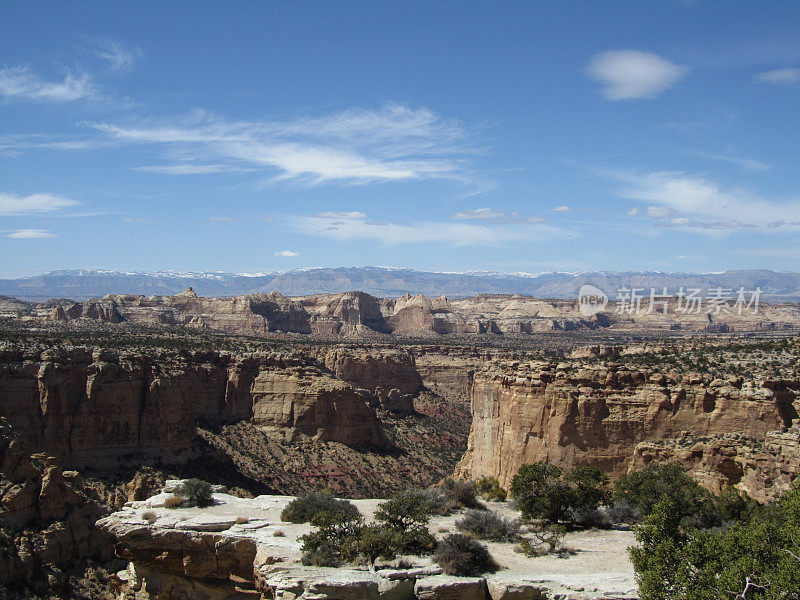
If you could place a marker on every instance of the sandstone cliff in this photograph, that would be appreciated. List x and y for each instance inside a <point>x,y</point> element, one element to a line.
<point>91,407</point>
<point>47,521</point>
<point>359,315</point>
<point>597,415</point>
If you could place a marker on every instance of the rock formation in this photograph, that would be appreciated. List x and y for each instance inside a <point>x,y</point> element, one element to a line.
<point>93,407</point>
<point>598,415</point>
<point>360,315</point>
<point>231,551</point>
<point>47,520</point>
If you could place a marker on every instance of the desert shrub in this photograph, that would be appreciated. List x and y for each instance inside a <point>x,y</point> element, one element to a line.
<point>541,492</point>
<point>407,508</point>
<point>242,520</point>
<point>278,533</point>
<point>306,506</point>
<point>545,539</point>
<point>405,517</point>
<point>149,516</point>
<point>335,541</point>
<point>489,489</point>
<point>376,541</point>
<point>488,525</point>
<point>622,511</point>
<point>174,501</point>
<point>757,558</point>
<point>197,492</point>
<point>643,489</point>
<point>460,494</point>
<point>459,555</point>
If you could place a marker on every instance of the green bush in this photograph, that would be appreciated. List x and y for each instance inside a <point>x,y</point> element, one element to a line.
<point>306,506</point>
<point>757,558</point>
<point>459,494</point>
<point>540,492</point>
<point>459,555</point>
<point>406,516</point>
<point>197,492</point>
<point>643,489</point>
<point>488,525</point>
<point>489,489</point>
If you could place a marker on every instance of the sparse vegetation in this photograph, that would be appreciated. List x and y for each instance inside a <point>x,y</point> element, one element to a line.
<point>150,516</point>
<point>197,492</point>
<point>174,501</point>
<point>488,525</point>
<point>542,494</point>
<point>460,555</point>
<point>756,558</point>
<point>305,507</point>
<point>489,489</point>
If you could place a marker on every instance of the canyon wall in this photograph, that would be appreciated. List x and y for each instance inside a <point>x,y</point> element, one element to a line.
<point>528,412</point>
<point>100,408</point>
<point>360,315</point>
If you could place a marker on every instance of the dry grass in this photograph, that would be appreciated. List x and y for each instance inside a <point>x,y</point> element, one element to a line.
<point>278,533</point>
<point>242,520</point>
<point>174,501</point>
<point>150,516</point>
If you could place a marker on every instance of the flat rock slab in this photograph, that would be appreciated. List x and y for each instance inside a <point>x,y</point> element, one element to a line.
<point>445,587</point>
<point>207,523</point>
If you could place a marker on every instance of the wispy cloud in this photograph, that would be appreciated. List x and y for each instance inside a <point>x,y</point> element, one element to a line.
<point>747,163</point>
<point>30,234</point>
<point>494,216</point>
<point>189,169</point>
<point>11,204</point>
<point>358,227</point>
<point>633,75</point>
<point>697,202</point>
<point>22,84</point>
<point>787,76</point>
<point>562,208</point>
<point>394,143</point>
<point>222,220</point>
<point>118,57</point>
<point>287,253</point>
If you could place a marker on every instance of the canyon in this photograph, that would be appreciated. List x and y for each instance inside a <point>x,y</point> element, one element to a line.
<point>98,413</point>
<point>357,315</point>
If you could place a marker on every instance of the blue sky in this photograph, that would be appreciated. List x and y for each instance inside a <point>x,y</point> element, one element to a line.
<point>253,136</point>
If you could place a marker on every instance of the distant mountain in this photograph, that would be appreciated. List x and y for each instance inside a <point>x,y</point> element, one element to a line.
<point>386,282</point>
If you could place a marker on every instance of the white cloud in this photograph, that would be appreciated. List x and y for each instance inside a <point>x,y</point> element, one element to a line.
<point>454,234</point>
<point>29,234</point>
<point>287,253</point>
<point>747,163</point>
<point>562,208</point>
<point>353,214</point>
<point>187,169</point>
<point>11,204</point>
<point>21,83</point>
<point>787,76</point>
<point>494,216</point>
<point>392,144</point>
<point>222,220</point>
<point>691,201</point>
<point>631,75</point>
<point>118,57</point>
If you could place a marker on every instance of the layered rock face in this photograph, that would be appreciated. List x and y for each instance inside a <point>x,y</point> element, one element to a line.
<point>597,416</point>
<point>231,551</point>
<point>96,407</point>
<point>47,519</point>
<point>359,315</point>
<point>252,314</point>
<point>762,468</point>
<point>316,404</point>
